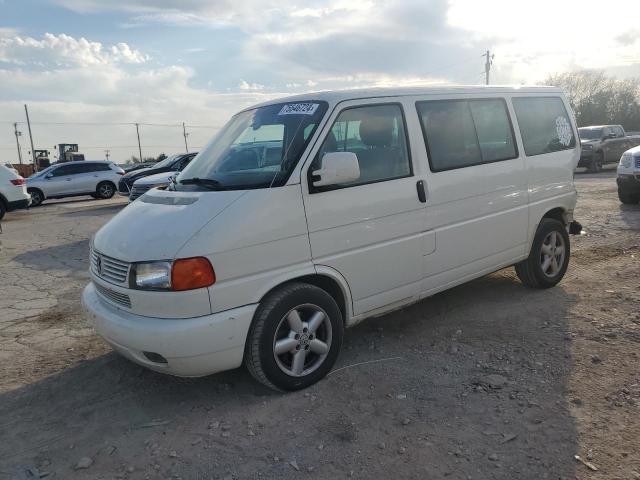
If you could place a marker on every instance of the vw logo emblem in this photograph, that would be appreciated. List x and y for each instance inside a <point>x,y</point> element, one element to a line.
<point>99,265</point>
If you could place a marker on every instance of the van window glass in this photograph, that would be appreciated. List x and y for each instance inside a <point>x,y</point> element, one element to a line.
<point>462,133</point>
<point>376,134</point>
<point>544,124</point>
<point>236,159</point>
<point>493,129</point>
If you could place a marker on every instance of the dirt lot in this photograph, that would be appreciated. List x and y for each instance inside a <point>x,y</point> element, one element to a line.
<point>488,380</point>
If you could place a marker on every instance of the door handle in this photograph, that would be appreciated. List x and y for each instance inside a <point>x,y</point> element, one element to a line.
<point>422,194</point>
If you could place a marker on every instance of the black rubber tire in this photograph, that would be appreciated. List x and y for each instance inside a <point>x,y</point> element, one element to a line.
<point>106,196</point>
<point>529,271</point>
<point>596,163</point>
<point>3,209</point>
<point>38,199</point>
<point>259,358</point>
<point>628,198</point>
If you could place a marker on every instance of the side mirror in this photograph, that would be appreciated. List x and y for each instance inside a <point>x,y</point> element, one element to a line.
<point>49,175</point>
<point>337,167</point>
<point>610,136</point>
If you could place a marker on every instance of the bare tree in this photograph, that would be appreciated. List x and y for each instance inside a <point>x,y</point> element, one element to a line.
<point>598,99</point>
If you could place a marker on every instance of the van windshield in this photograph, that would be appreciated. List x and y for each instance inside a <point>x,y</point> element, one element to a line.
<point>257,148</point>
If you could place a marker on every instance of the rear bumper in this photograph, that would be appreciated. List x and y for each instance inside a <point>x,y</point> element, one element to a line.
<point>628,183</point>
<point>19,204</point>
<point>192,347</point>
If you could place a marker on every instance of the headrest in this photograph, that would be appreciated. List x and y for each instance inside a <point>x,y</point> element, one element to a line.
<point>377,131</point>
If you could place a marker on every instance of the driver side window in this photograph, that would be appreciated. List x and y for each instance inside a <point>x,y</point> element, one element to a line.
<point>376,134</point>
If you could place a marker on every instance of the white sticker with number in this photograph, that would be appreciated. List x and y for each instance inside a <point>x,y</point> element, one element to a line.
<point>299,109</point>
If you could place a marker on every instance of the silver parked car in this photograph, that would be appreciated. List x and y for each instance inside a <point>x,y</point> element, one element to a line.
<point>145,184</point>
<point>70,179</point>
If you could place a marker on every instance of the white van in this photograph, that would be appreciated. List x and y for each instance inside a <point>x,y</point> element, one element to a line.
<point>307,215</point>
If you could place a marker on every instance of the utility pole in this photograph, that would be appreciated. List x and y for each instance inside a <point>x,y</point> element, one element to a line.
<point>18,134</point>
<point>106,154</point>
<point>33,153</point>
<point>487,65</point>
<point>185,134</point>
<point>139,147</point>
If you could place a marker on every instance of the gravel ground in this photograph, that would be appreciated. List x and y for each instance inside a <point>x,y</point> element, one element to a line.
<point>488,380</point>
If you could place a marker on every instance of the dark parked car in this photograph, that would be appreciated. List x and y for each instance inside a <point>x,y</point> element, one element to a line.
<point>174,163</point>
<point>138,166</point>
<point>603,144</point>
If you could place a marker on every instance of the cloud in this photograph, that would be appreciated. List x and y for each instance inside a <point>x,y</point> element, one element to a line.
<point>65,50</point>
<point>243,85</point>
<point>629,37</point>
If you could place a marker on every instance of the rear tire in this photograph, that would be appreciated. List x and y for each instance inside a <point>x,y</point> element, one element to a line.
<point>628,198</point>
<point>3,209</point>
<point>549,256</point>
<point>295,337</point>
<point>105,190</point>
<point>596,163</point>
<point>37,197</point>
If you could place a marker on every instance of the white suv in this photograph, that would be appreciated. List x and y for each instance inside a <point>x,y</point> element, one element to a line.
<point>629,176</point>
<point>70,179</point>
<point>13,192</point>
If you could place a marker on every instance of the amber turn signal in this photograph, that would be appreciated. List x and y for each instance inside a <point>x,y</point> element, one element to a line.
<point>192,273</point>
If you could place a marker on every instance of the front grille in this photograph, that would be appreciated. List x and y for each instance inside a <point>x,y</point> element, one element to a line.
<point>138,190</point>
<point>109,269</point>
<point>115,297</point>
<point>637,162</point>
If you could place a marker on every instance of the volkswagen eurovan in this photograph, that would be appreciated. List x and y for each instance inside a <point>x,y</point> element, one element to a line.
<point>306,215</point>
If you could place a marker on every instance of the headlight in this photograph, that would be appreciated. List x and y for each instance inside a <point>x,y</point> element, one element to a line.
<point>152,275</point>
<point>625,161</point>
<point>179,275</point>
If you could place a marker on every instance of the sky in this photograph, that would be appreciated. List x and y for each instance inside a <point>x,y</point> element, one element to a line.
<point>89,69</point>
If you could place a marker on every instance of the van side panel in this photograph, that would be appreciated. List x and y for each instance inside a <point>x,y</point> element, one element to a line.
<point>549,176</point>
<point>479,213</point>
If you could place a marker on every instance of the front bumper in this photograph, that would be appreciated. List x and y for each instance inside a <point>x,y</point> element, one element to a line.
<point>586,158</point>
<point>192,347</point>
<point>628,183</point>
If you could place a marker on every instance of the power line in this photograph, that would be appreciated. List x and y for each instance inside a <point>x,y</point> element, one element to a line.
<point>121,124</point>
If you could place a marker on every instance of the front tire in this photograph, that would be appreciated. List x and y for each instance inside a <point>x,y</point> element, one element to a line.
<point>628,198</point>
<point>37,197</point>
<point>295,337</point>
<point>549,256</point>
<point>105,190</point>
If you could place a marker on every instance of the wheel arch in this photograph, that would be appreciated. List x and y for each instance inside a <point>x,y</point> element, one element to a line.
<point>328,280</point>
<point>106,181</point>
<point>557,213</point>
<point>30,189</point>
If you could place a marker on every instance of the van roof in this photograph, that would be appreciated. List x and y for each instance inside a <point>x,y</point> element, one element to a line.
<point>336,96</point>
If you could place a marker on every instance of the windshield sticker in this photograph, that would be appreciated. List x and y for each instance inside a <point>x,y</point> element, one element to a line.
<point>564,131</point>
<point>299,109</point>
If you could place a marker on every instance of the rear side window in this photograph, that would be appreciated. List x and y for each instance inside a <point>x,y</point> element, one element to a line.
<point>544,125</point>
<point>462,133</point>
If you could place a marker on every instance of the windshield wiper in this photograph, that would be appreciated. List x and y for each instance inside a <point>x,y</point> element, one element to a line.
<point>203,182</point>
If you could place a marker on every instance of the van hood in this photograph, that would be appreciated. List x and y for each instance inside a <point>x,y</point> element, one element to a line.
<point>159,223</point>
